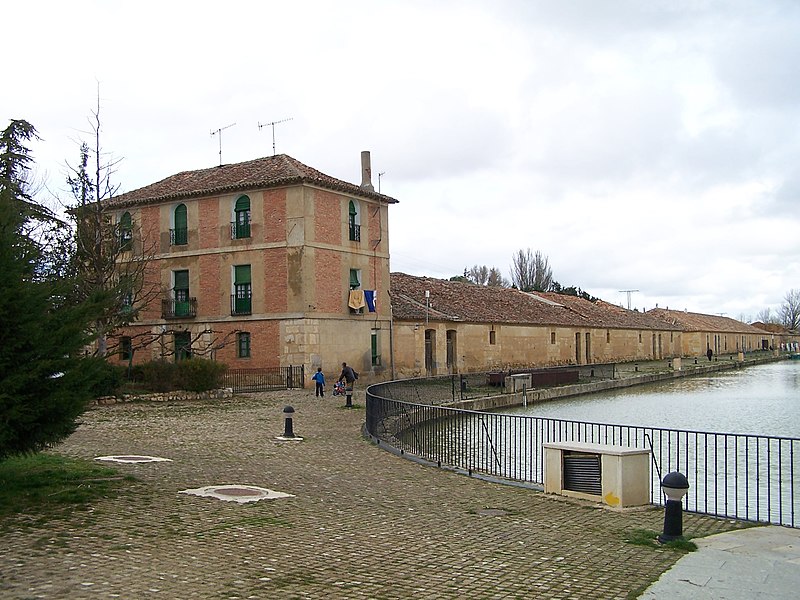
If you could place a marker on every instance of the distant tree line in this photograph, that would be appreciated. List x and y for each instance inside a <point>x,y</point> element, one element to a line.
<point>530,272</point>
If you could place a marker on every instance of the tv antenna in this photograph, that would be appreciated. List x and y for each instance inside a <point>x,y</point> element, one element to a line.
<point>381,174</point>
<point>628,292</point>
<point>260,125</point>
<point>219,133</point>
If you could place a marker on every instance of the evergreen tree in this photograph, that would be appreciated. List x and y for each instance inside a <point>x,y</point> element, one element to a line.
<point>44,384</point>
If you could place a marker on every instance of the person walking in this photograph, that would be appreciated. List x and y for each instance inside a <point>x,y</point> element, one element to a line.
<point>348,376</point>
<point>709,353</point>
<point>319,379</point>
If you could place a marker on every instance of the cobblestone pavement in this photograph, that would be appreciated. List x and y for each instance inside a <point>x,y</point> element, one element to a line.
<point>362,523</point>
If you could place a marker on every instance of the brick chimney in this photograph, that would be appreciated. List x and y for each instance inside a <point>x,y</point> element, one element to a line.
<point>366,171</point>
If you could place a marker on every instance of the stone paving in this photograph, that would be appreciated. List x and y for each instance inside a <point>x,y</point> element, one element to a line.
<point>361,522</point>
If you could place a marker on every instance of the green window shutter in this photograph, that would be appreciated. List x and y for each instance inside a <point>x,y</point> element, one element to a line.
<point>181,280</point>
<point>352,209</point>
<point>241,274</point>
<point>242,203</point>
<point>354,282</point>
<point>125,222</point>
<point>180,216</point>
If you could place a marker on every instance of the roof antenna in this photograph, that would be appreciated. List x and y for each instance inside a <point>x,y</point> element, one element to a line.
<point>219,133</point>
<point>381,174</point>
<point>260,125</point>
<point>629,292</point>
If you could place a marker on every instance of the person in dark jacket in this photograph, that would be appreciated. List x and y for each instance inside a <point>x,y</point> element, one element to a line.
<point>348,376</point>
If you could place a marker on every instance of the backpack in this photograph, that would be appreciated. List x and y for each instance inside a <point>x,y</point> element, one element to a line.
<point>355,373</point>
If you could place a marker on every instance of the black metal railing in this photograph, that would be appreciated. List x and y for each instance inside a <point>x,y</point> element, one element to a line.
<point>240,231</point>
<point>178,237</point>
<point>355,232</point>
<point>178,309</point>
<point>241,305</point>
<point>265,379</point>
<point>740,476</point>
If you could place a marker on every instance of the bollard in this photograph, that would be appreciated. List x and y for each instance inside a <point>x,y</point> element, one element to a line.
<point>349,392</point>
<point>675,485</point>
<point>288,431</point>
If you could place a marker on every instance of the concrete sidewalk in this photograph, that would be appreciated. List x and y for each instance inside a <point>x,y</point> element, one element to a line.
<point>761,562</point>
<point>360,522</point>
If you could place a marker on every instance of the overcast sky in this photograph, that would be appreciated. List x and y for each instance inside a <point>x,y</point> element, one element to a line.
<point>640,145</point>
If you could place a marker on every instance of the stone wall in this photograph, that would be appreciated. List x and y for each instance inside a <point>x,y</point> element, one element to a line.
<point>177,395</point>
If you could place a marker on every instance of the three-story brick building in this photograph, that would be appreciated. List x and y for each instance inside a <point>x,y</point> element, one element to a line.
<point>263,263</point>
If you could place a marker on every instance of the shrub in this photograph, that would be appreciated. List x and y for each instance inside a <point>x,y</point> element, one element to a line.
<point>158,376</point>
<point>199,375</point>
<point>106,378</point>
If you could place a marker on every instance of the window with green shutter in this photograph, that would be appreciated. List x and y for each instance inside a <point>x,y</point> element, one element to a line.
<point>240,228</point>
<point>181,290</point>
<point>355,282</point>
<point>353,226</point>
<point>183,345</point>
<point>242,290</point>
<point>243,344</point>
<point>376,352</point>
<point>125,231</point>
<point>180,234</point>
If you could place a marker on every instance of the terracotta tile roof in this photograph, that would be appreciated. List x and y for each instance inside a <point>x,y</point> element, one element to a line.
<point>605,314</point>
<point>459,301</point>
<point>770,327</point>
<point>270,172</point>
<point>689,321</point>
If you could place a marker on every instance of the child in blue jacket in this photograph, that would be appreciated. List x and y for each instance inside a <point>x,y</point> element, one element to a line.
<point>319,379</point>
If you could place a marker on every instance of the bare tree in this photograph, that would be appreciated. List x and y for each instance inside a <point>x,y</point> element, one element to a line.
<point>107,254</point>
<point>477,274</point>
<point>530,272</point>
<point>790,310</point>
<point>766,316</point>
<point>496,278</point>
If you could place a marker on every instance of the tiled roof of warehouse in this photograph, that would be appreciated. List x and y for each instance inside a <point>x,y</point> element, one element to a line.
<point>689,321</point>
<point>605,314</point>
<point>272,171</point>
<point>459,301</point>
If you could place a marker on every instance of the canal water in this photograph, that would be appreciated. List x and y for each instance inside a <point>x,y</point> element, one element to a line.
<point>760,400</point>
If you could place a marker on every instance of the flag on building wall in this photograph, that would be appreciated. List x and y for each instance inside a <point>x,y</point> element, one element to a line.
<point>370,298</point>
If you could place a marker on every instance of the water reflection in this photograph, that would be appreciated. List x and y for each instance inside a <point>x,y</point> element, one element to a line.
<point>760,400</point>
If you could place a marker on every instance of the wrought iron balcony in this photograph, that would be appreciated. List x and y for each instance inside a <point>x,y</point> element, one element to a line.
<point>355,232</point>
<point>241,306</point>
<point>178,237</point>
<point>178,309</point>
<point>240,231</point>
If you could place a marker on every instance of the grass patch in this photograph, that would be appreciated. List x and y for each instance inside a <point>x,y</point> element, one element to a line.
<point>48,485</point>
<point>649,538</point>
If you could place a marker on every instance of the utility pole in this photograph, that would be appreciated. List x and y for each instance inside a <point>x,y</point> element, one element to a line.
<point>628,292</point>
<point>219,133</point>
<point>272,124</point>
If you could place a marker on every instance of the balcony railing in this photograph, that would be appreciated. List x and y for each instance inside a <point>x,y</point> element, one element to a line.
<point>240,231</point>
<point>178,309</point>
<point>355,232</point>
<point>178,237</point>
<point>241,306</point>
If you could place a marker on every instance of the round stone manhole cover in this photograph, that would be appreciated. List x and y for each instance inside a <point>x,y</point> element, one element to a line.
<point>236,493</point>
<point>133,458</point>
<point>492,512</point>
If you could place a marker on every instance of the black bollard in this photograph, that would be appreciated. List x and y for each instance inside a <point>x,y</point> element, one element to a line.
<point>675,485</point>
<point>288,431</point>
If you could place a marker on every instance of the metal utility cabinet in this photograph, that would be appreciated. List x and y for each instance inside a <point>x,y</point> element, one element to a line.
<point>614,475</point>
